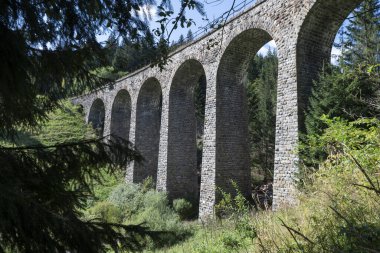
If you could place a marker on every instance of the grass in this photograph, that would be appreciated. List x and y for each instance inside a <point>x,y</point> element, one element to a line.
<point>64,124</point>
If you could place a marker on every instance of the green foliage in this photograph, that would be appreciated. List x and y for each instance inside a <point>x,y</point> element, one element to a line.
<point>343,93</point>
<point>107,211</point>
<point>56,183</point>
<point>349,94</point>
<point>133,204</point>
<point>127,197</point>
<point>220,237</point>
<point>148,184</point>
<point>261,94</point>
<point>223,236</point>
<point>181,40</point>
<point>49,50</point>
<point>103,189</point>
<point>200,99</point>
<point>351,90</point>
<point>64,124</point>
<point>342,202</point>
<point>109,73</point>
<point>61,156</point>
<point>183,208</point>
<point>230,241</point>
<point>360,38</point>
<point>200,104</point>
<point>51,45</point>
<point>128,57</point>
<point>231,206</point>
<point>338,209</point>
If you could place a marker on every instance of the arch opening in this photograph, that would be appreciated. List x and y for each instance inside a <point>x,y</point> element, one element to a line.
<point>148,124</point>
<point>235,147</point>
<point>96,116</point>
<point>185,135</point>
<point>315,44</point>
<point>121,115</point>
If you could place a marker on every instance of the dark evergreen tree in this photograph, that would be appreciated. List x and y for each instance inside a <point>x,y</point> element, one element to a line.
<point>346,94</point>
<point>129,56</point>
<point>181,40</point>
<point>190,36</point>
<point>261,94</point>
<point>46,47</point>
<point>350,94</point>
<point>360,41</point>
<point>347,91</point>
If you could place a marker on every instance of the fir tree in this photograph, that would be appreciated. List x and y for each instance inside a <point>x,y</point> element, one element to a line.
<point>181,40</point>
<point>342,94</point>
<point>128,57</point>
<point>46,47</point>
<point>361,40</point>
<point>190,36</point>
<point>349,94</point>
<point>347,91</point>
<point>261,93</point>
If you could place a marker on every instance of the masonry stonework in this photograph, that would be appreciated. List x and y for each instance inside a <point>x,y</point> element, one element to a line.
<point>147,135</point>
<point>162,122</point>
<point>121,115</point>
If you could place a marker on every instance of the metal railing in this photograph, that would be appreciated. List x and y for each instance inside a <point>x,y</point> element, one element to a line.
<point>236,10</point>
<point>203,31</point>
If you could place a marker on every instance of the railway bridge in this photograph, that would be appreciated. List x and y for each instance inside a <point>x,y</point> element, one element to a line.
<point>155,110</point>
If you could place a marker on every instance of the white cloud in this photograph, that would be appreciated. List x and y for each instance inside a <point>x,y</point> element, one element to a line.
<point>148,11</point>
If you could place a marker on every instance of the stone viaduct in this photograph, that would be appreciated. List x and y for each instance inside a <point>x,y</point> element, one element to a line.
<point>155,110</point>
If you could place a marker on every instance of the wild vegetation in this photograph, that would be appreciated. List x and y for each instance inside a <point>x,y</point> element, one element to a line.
<point>50,50</point>
<point>62,189</point>
<point>338,208</point>
<point>261,95</point>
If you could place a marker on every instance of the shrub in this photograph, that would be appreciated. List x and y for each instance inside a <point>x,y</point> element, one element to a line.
<point>232,206</point>
<point>106,211</point>
<point>183,208</point>
<point>127,197</point>
<point>134,204</point>
<point>147,184</point>
<point>231,241</point>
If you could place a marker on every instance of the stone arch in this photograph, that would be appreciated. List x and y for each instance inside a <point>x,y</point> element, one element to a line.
<point>147,134</point>
<point>232,144</point>
<point>182,178</point>
<point>314,44</point>
<point>96,116</point>
<point>121,115</point>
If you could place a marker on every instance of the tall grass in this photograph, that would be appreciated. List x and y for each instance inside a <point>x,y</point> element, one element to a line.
<point>338,209</point>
